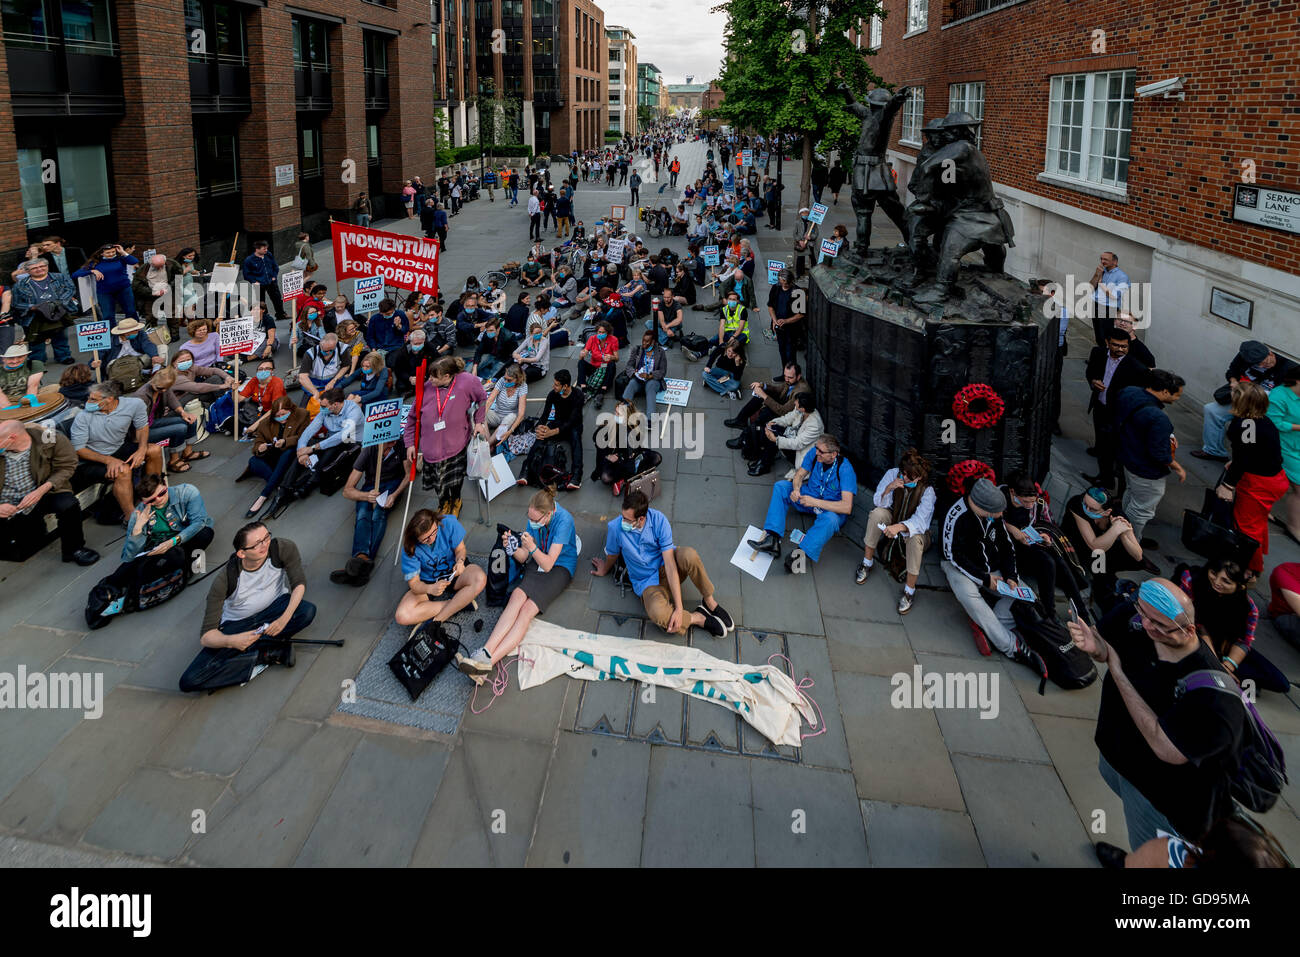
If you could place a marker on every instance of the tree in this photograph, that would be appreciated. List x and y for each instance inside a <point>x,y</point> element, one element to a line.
<point>441,136</point>
<point>499,119</point>
<point>783,66</point>
<point>645,116</point>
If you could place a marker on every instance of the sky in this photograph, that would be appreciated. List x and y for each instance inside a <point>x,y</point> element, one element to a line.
<point>678,36</point>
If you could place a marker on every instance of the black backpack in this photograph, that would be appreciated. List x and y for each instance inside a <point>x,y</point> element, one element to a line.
<point>695,343</point>
<point>549,463</point>
<point>424,656</point>
<point>1261,773</point>
<point>502,569</point>
<point>1067,665</point>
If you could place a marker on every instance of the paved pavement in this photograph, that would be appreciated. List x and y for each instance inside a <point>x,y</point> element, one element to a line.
<point>271,774</point>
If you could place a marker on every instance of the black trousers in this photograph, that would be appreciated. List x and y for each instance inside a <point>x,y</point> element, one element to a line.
<point>789,340</point>
<point>215,668</point>
<point>442,235</point>
<point>272,292</point>
<point>765,415</point>
<point>1049,571</point>
<point>1058,364</point>
<point>67,511</point>
<point>535,226</point>
<point>1103,320</point>
<point>131,574</point>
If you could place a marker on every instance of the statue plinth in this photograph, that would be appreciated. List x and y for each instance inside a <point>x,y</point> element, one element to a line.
<point>888,368</point>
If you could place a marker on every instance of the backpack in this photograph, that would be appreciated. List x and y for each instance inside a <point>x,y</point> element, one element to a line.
<point>424,656</point>
<point>502,571</point>
<point>1261,772</point>
<point>1068,666</point>
<point>695,344</point>
<point>549,463</point>
<point>163,577</point>
<point>128,372</point>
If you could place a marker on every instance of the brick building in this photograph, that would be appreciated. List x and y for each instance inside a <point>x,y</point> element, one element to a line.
<point>1085,162</point>
<point>685,96</point>
<point>711,100</point>
<point>174,123</point>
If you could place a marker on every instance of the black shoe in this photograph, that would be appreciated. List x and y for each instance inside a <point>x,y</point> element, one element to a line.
<point>83,557</point>
<point>1110,856</point>
<point>712,624</point>
<point>736,443</point>
<point>770,543</point>
<point>246,474</point>
<point>758,468</point>
<point>790,560</point>
<point>277,653</point>
<point>1201,454</point>
<point>1027,656</point>
<point>279,502</point>
<point>734,423</point>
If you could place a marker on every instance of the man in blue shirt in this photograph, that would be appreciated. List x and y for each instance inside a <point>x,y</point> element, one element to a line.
<point>333,434</point>
<point>386,330</point>
<point>656,567</point>
<point>434,564</point>
<point>260,267</point>
<point>824,485</point>
<point>1110,286</point>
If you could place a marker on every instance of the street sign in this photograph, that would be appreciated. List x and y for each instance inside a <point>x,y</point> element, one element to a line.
<point>94,336</point>
<point>383,422</point>
<point>711,257</point>
<point>818,213</point>
<point>1265,206</point>
<point>238,335</point>
<point>366,293</point>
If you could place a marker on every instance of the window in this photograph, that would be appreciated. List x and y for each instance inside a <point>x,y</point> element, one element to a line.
<point>913,118</point>
<point>374,53</point>
<point>87,27</point>
<point>216,166</point>
<point>544,46</point>
<point>615,56</point>
<point>83,180</point>
<point>543,9</point>
<point>877,32</point>
<point>614,96</point>
<point>615,77</point>
<point>310,143</point>
<point>34,202</point>
<point>310,44</point>
<point>25,25</point>
<point>1090,116</point>
<point>483,11</point>
<point>968,97</point>
<point>372,144</point>
<point>918,15</point>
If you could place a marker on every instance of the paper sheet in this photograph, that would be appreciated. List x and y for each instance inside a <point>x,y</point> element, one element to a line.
<point>747,559</point>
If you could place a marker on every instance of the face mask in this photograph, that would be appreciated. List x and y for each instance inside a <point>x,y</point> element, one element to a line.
<point>311,316</point>
<point>184,365</point>
<point>1091,514</point>
<point>537,337</point>
<point>326,353</point>
<point>282,417</point>
<point>911,484</point>
<point>535,526</point>
<point>490,334</point>
<point>417,346</point>
<point>370,373</point>
<point>733,303</point>
<point>263,375</point>
<point>629,526</point>
<point>602,336</point>
<point>92,406</point>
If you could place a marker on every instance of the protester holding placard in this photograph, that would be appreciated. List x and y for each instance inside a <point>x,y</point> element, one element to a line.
<point>203,345</point>
<point>130,340</point>
<point>168,420</point>
<point>444,428</point>
<point>374,503</point>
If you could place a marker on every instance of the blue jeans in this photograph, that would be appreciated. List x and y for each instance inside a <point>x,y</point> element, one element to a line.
<point>179,433</point>
<point>715,341</point>
<point>514,196</point>
<point>1216,422</point>
<point>363,220</point>
<point>489,367</point>
<point>1140,815</point>
<point>271,469</point>
<point>651,388</point>
<point>372,523</point>
<point>824,528</point>
<point>720,382</point>
<point>110,299</point>
<point>222,667</point>
<point>59,339</point>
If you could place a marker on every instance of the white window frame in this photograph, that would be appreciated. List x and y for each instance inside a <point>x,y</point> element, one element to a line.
<point>913,115</point>
<point>970,98</point>
<point>1092,140</point>
<point>877,28</point>
<point>918,17</point>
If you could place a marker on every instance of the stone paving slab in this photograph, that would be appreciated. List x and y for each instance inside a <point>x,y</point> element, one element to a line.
<point>901,835</point>
<point>1074,755</point>
<point>811,661</point>
<point>362,826</point>
<point>876,649</point>
<point>319,691</point>
<point>136,636</point>
<point>281,740</point>
<point>594,804</point>
<point>153,814</point>
<point>805,817</point>
<point>35,647</point>
<point>699,811</point>
<point>507,777</point>
<point>454,833</point>
<point>1009,733</point>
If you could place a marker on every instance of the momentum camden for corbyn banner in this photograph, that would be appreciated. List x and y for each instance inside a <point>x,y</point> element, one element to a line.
<point>407,262</point>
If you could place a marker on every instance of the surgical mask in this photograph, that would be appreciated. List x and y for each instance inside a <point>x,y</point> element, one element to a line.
<point>92,406</point>
<point>733,303</point>
<point>184,365</point>
<point>490,334</point>
<point>1091,514</point>
<point>263,375</point>
<point>537,337</point>
<point>629,526</point>
<point>282,417</point>
<point>602,336</point>
<point>912,484</point>
<point>535,526</point>
<point>370,373</point>
<point>417,346</point>
<point>326,353</point>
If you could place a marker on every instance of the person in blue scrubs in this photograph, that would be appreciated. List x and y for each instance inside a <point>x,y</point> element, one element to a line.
<point>439,581</point>
<point>548,552</point>
<point>823,486</point>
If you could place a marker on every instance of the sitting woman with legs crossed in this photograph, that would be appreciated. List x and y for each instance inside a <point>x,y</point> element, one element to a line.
<point>439,581</point>
<point>548,550</point>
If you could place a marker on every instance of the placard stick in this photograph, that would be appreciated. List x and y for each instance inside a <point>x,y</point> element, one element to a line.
<point>235,390</point>
<point>233,247</point>
<point>94,311</point>
<point>293,331</point>
<point>379,460</point>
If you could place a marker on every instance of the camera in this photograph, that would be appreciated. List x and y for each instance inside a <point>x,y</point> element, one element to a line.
<point>1171,89</point>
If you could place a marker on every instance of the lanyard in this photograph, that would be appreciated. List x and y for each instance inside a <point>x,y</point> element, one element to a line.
<point>441,403</point>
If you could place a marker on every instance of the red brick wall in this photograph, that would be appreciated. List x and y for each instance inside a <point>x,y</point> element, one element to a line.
<point>13,222</point>
<point>1239,61</point>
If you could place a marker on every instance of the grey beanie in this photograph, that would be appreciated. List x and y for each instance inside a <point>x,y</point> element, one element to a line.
<point>986,495</point>
<point>1253,351</point>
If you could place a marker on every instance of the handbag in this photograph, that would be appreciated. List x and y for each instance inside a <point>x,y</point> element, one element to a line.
<point>1210,533</point>
<point>646,483</point>
<point>424,655</point>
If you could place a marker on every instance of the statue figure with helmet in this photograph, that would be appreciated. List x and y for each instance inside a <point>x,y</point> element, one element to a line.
<point>873,179</point>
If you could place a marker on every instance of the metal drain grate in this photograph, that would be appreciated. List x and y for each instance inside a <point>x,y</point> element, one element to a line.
<point>636,712</point>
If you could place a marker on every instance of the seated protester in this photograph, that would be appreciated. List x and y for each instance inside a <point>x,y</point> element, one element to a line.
<point>646,366</point>
<point>1169,756</point>
<point>255,606</point>
<point>793,434</point>
<point>169,516</point>
<point>130,339</point>
<point>548,552</point>
<point>507,405</point>
<point>747,225</point>
<point>770,399</point>
<point>270,344</point>
<point>443,335</point>
<point>74,384</point>
<point>518,314</point>
<point>309,329</point>
<point>169,422</point>
<point>562,418</point>
<point>405,363</point>
<point>265,386</point>
<point>275,444</point>
<point>657,276</point>
<point>977,555</point>
<point>371,380</point>
<point>386,329</point>
<point>352,344</point>
<point>1103,539</point>
<point>35,480</point>
<point>824,486</point>
<point>373,506</point>
<point>733,322</point>
<point>1039,555</point>
<point>635,292</point>
<point>470,321</point>
<point>621,451</point>
<point>904,505</point>
<point>20,376</point>
<point>615,311</point>
<point>599,352</point>
<point>724,368</point>
<point>333,434</point>
<point>339,312</point>
<point>579,231</point>
<point>531,274</point>
<point>657,567</point>
<point>205,383</point>
<point>683,290</point>
<point>204,344</point>
<point>1231,843</point>
<point>1254,362</point>
<point>320,368</point>
<point>1226,617</point>
<point>111,439</point>
<point>439,580</point>
<point>534,354</point>
<point>667,319</point>
<point>1284,600</point>
<point>564,291</point>
<point>493,352</point>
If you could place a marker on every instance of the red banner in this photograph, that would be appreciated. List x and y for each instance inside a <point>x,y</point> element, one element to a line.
<point>407,262</point>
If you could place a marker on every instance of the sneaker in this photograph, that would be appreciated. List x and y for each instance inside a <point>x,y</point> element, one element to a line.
<point>733,394</point>
<point>711,622</point>
<point>905,603</point>
<point>864,572</point>
<point>473,665</point>
<point>1025,655</point>
<point>981,640</point>
<point>723,616</point>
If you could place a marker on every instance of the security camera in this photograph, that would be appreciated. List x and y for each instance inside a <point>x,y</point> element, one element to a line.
<point>1170,89</point>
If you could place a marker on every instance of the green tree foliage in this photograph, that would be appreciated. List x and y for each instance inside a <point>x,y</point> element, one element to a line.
<point>781,71</point>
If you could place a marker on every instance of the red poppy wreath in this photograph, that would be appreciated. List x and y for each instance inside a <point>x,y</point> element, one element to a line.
<point>959,473</point>
<point>978,406</point>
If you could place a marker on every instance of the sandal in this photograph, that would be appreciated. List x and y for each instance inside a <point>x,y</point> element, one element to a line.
<point>178,464</point>
<point>195,456</point>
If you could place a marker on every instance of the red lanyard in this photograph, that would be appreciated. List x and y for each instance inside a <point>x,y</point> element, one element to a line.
<point>441,403</point>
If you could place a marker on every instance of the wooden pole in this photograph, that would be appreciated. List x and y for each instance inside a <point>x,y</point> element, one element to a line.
<point>94,311</point>
<point>379,460</point>
<point>293,332</point>
<point>233,247</point>
<point>235,390</point>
